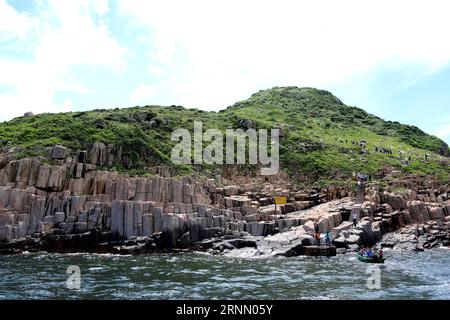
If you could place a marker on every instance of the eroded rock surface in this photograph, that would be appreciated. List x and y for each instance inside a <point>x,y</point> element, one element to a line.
<point>68,195</point>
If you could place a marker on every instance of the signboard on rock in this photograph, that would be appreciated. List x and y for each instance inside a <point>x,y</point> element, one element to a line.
<point>280,201</point>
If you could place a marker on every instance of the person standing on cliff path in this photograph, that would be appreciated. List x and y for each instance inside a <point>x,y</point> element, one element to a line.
<point>354,219</point>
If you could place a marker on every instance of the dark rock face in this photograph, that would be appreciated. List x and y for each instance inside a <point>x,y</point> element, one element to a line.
<point>246,123</point>
<point>413,239</point>
<point>444,150</point>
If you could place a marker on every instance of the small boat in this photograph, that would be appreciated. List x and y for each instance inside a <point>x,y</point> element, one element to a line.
<point>372,259</point>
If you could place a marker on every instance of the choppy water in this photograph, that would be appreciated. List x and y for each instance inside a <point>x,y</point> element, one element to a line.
<point>405,275</point>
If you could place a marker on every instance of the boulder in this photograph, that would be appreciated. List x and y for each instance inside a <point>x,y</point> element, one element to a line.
<point>82,217</point>
<point>340,242</point>
<point>309,227</point>
<point>324,225</point>
<point>80,227</point>
<point>66,227</point>
<point>352,239</point>
<point>49,220</point>
<point>59,152</point>
<point>185,240</point>
<point>71,219</point>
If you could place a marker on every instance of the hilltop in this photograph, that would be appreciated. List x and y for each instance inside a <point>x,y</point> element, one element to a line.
<point>323,140</point>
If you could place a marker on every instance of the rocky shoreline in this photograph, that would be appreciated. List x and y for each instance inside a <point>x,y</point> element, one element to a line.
<point>286,244</point>
<point>67,202</point>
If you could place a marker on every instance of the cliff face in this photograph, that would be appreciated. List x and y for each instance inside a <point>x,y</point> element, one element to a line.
<point>65,195</point>
<point>72,196</point>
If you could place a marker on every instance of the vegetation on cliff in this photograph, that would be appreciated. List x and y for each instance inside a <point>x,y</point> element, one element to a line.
<point>321,136</point>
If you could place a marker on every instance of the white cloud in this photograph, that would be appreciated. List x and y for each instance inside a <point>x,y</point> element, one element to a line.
<point>209,54</point>
<point>12,24</point>
<point>155,70</point>
<point>142,94</point>
<point>443,129</point>
<point>100,7</point>
<point>78,40</point>
<point>65,35</point>
<point>231,48</point>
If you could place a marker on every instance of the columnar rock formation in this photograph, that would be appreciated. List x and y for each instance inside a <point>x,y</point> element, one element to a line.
<point>69,192</point>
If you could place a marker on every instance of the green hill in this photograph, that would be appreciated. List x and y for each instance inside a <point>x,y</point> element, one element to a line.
<point>320,142</point>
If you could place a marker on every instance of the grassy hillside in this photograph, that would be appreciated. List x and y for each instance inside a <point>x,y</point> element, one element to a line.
<point>320,141</point>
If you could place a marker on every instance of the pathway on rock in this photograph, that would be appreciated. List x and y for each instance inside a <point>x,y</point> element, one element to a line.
<point>359,200</point>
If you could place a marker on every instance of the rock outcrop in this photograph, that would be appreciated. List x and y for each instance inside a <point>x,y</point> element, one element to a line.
<point>66,195</point>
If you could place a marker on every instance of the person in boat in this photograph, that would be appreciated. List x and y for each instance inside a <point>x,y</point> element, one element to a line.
<point>379,254</point>
<point>328,238</point>
<point>362,252</point>
<point>369,253</point>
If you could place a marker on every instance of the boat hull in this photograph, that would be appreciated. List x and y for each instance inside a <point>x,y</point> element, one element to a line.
<point>369,259</point>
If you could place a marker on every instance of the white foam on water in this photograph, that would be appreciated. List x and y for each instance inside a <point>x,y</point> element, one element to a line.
<point>96,269</point>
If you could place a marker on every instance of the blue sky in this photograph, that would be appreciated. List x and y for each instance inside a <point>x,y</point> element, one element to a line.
<point>391,59</point>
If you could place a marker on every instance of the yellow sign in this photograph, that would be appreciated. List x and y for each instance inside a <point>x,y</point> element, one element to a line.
<point>280,200</point>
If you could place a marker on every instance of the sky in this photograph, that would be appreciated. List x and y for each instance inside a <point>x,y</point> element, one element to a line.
<point>391,58</point>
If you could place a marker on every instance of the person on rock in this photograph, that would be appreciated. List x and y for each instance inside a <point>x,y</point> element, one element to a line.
<point>354,220</point>
<point>318,238</point>
<point>328,239</point>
